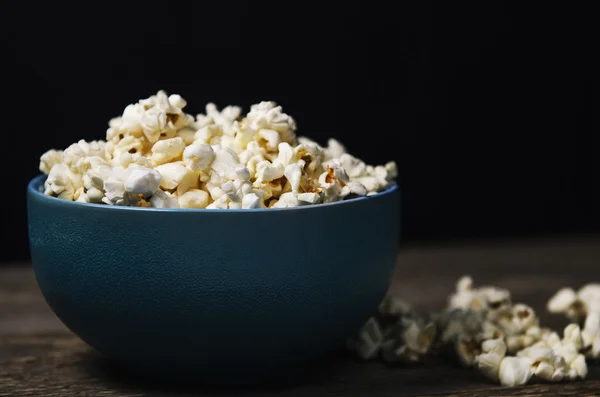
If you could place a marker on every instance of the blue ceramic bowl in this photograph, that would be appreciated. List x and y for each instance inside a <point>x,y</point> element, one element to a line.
<point>219,294</point>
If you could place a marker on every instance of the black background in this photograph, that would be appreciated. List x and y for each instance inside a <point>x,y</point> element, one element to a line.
<point>489,108</point>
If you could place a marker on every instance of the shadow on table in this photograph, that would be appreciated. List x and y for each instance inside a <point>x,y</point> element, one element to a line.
<point>111,374</point>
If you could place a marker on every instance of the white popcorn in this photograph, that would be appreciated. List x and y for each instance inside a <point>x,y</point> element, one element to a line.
<point>515,371</point>
<point>334,150</point>
<point>177,101</point>
<point>311,198</point>
<point>267,115</point>
<point>242,173</point>
<point>167,150</point>
<point>225,162</point>
<point>221,203</point>
<point>488,362</point>
<point>221,153</point>
<point>266,171</point>
<point>562,300</point>
<point>198,157</point>
<point>49,159</point>
<point>271,136</point>
<point>572,333</point>
<point>193,198</point>
<point>370,339</point>
<point>580,366</point>
<point>60,182</point>
<point>114,187</point>
<point>143,181</point>
<point>251,200</point>
<point>353,166</point>
<point>162,199</point>
<point>187,134</point>
<point>177,176</point>
<point>293,173</point>
<point>287,200</point>
<point>286,154</point>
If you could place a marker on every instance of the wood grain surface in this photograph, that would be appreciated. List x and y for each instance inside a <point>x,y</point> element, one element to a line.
<point>40,357</point>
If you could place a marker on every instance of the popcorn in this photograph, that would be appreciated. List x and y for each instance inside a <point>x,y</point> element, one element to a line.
<point>515,371</point>
<point>60,183</point>
<point>167,150</point>
<point>237,161</point>
<point>504,342</point>
<point>177,176</point>
<point>143,181</point>
<point>251,200</point>
<point>114,187</point>
<point>50,159</point>
<point>198,157</point>
<point>225,162</point>
<point>162,199</point>
<point>193,198</point>
<point>488,362</point>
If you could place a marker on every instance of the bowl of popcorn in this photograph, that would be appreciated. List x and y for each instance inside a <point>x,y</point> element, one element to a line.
<point>220,247</point>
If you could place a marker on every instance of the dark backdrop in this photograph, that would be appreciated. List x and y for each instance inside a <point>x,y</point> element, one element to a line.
<point>489,108</point>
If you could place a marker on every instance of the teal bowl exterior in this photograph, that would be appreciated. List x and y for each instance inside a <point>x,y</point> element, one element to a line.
<point>214,294</point>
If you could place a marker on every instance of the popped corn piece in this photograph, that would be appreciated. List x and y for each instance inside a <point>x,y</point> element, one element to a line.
<point>251,200</point>
<point>287,200</point>
<point>523,317</point>
<point>419,339</point>
<point>334,149</point>
<point>580,366</point>
<point>49,159</point>
<point>167,150</point>
<point>193,198</point>
<point>572,333</point>
<point>392,170</point>
<point>467,350</point>
<point>221,203</point>
<point>128,144</point>
<point>210,134</point>
<point>267,115</point>
<point>225,162</point>
<point>198,156</point>
<point>562,300</point>
<point>143,181</point>
<point>515,371</point>
<point>177,101</point>
<point>286,155</point>
<point>162,199</point>
<point>370,339</point>
<point>81,196</point>
<point>353,166</point>
<point>242,173</point>
<point>60,182</point>
<point>488,362</point>
<point>114,187</point>
<point>177,176</point>
<point>271,137</point>
<point>311,198</point>
<point>95,195</point>
<point>266,171</point>
<point>81,149</point>
<point>187,134</point>
<point>293,173</point>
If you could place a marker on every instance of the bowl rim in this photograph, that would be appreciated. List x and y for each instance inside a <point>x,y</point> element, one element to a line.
<point>33,189</point>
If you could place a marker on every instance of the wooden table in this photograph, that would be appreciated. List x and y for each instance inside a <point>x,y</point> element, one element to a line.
<point>40,357</point>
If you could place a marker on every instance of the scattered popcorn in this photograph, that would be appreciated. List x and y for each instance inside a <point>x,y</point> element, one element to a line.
<point>485,331</point>
<point>155,154</point>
